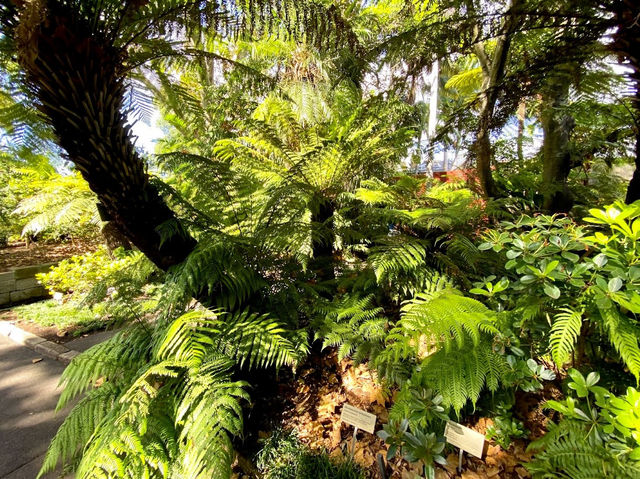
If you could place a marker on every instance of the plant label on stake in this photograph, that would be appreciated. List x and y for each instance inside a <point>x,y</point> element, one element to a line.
<point>359,419</point>
<point>464,438</point>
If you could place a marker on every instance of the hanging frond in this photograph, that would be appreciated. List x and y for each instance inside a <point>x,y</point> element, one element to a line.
<point>564,332</point>
<point>461,375</point>
<point>624,334</point>
<point>353,324</point>
<point>445,319</point>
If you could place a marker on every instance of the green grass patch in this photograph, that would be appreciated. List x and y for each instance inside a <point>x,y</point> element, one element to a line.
<point>283,456</point>
<point>63,316</point>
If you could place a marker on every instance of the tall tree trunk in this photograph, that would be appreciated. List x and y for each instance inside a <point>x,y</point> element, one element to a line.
<point>433,109</point>
<point>626,45</point>
<point>493,71</point>
<point>77,76</point>
<point>556,155</point>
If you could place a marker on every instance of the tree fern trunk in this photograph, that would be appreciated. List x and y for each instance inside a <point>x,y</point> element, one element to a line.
<point>323,261</point>
<point>113,237</point>
<point>77,76</point>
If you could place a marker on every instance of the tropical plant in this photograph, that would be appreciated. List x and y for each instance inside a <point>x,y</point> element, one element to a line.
<point>162,401</point>
<point>63,205</point>
<point>585,282</point>
<point>597,435</point>
<point>416,445</point>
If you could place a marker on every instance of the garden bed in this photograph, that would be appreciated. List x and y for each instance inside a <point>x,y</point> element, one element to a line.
<point>310,404</point>
<point>56,323</point>
<point>16,255</point>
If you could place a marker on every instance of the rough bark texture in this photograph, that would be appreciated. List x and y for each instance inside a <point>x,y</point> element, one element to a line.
<point>556,155</point>
<point>522,115</point>
<point>323,261</point>
<point>493,71</point>
<point>113,237</point>
<point>78,80</point>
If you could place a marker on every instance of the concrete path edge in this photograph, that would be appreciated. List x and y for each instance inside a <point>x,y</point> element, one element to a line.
<point>40,345</point>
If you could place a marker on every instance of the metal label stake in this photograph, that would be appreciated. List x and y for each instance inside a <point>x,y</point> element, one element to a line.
<point>353,442</point>
<point>359,419</point>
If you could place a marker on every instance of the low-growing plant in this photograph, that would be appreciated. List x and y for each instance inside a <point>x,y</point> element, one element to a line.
<point>62,316</point>
<point>80,274</point>
<point>504,429</point>
<point>414,443</point>
<point>598,434</point>
<point>283,456</point>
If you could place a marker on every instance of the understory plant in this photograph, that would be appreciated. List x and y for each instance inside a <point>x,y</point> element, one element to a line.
<point>572,290</point>
<point>283,456</point>
<point>161,401</point>
<point>598,434</point>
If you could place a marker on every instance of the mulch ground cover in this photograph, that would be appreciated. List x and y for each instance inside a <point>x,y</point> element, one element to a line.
<point>310,402</point>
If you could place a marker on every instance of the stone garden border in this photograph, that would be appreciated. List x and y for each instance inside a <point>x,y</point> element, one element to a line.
<point>40,345</point>
<point>20,284</point>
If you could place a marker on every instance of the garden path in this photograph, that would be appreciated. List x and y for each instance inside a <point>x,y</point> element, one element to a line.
<point>28,396</point>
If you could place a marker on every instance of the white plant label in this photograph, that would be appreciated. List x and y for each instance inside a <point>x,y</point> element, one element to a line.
<point>358,418</point>
<point>466,439</point>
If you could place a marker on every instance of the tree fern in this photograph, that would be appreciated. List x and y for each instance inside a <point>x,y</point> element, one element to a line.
<point>78,427</point>
<point>446,319</point>
<point>160,400</point>
<point>397,254</point>
<point>61,203</point>
<point>461,376</point>
<point>216,268</point>
<point>253,340</point>
<point>450,338</point>
<point>115,360</point>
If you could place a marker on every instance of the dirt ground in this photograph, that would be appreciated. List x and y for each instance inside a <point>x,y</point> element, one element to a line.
<point>19,254</point>
<point>311,402</point>
<point>50,333</point>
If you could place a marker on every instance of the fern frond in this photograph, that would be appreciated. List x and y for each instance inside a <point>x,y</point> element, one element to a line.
<point>352,324</point>
<point>624,335</point>
<point>446,319</point>
<point>78,427</point>
<point>260,341</point>
<point>564,332</point>
<point>397,254</point>
<point>569,451</point>
<point>461,375</point>
<point>115,360</point>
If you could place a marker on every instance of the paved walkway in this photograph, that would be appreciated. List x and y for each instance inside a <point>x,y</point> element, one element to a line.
<point>28,396</point>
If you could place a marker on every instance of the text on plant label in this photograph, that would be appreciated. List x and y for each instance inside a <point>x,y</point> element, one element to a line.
<point>466,439</point>
<point>358,418</point>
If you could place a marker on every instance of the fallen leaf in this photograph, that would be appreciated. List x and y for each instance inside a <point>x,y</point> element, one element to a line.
<point>36,360</point>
